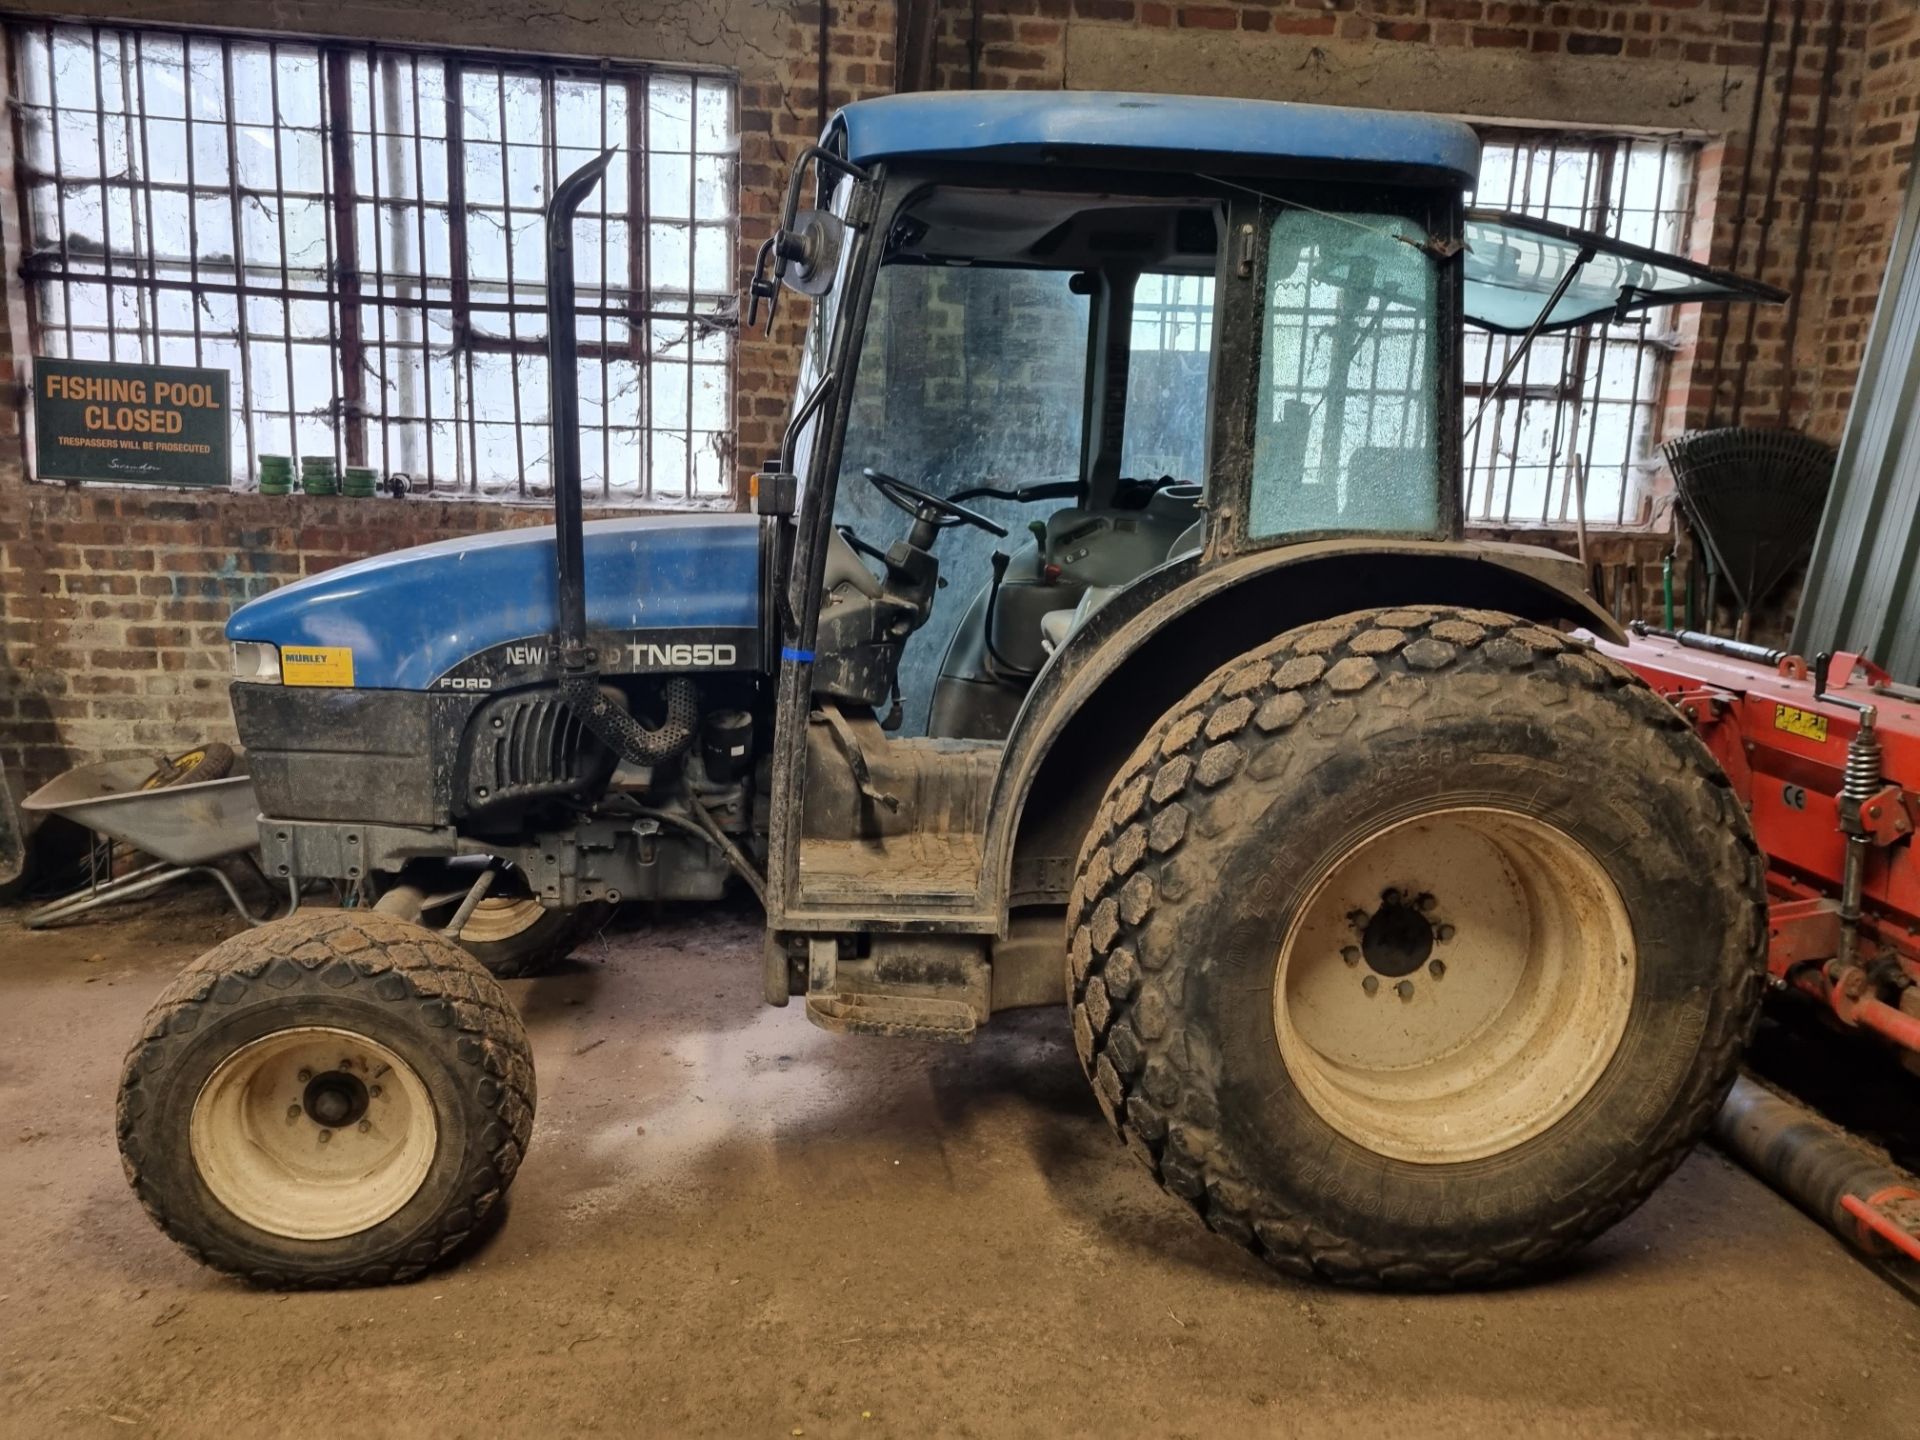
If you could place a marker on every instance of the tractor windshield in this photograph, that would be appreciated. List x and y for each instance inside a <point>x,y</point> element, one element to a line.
<point>969,378</point>
<point>973,380</point>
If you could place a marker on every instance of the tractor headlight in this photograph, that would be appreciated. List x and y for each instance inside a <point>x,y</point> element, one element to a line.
<point>256,662</point>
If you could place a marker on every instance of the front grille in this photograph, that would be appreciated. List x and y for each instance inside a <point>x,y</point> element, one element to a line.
<point>529,746</point>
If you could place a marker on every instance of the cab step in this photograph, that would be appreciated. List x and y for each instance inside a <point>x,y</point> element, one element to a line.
<point>902,1017</point>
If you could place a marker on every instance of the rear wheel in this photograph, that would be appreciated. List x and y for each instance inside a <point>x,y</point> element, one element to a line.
<point>333,1099</point>
<point>510,932</point>
<point>516,937</point>
<point>1416,947</point>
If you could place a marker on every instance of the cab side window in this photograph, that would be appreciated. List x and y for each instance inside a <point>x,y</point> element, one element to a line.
<point>1345,415</point>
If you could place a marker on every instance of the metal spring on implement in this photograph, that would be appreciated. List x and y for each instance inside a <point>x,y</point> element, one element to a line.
<point>1862,778</point>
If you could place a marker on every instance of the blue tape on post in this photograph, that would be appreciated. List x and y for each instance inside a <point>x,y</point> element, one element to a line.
<point>787,652</point>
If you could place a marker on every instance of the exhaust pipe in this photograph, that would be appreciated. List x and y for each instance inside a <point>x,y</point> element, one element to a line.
<point>1871,1206</point>
<point>563,395</point>
<point>579,663</point>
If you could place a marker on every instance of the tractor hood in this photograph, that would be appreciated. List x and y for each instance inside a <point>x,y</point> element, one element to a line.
<point>664,593</point>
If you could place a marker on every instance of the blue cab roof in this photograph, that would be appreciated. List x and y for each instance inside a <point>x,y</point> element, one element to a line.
<point>1022,124</point>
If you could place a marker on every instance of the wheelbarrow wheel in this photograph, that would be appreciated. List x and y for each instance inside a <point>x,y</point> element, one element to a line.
<point>208,761</point>
<point>211,761</point>
<point>339,1098</point>
<point>1416,948</point>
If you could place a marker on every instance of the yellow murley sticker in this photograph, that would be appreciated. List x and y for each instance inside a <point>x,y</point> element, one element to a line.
<point>316,665</point>
<point>1803,723</point>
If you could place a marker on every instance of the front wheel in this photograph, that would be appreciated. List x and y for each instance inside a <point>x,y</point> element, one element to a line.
<point>333,1099</point>
<point>1416,947</point>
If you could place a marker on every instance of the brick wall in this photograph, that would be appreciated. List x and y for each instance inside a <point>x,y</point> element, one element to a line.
<point>111,601</point>
<point>1867,187</point>
<point>781,115</point>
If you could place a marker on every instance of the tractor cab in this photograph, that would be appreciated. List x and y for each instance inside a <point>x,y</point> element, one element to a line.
<point>1079,364</point>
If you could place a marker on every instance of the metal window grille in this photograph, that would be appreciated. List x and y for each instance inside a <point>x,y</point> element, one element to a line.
<point>1584,404</point>
<point>1173,313</point>
<point>355,233</point>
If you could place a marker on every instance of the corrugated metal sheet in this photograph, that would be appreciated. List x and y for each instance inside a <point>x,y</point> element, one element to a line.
<point>1863,591</point>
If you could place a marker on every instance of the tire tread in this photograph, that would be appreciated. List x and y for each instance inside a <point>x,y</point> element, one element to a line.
<point>394,963</point>
<point>1159,1095</point>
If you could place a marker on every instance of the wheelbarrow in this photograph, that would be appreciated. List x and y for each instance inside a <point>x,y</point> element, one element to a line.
<point>184,828</point>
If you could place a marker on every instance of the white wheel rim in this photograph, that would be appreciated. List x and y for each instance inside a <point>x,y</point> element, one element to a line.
<point>313,1133</point>
<point>1454,985</point>
<point>501,917</point>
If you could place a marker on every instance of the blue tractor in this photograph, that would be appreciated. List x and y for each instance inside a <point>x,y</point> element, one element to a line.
<point>1102,637</point>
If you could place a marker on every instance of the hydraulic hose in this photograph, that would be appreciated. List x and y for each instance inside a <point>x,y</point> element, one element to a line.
<point>704,827</point>
<point>626,736</point>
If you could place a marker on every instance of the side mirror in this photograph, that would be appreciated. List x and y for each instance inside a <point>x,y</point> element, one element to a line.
<point>810,239</point>
<point>805,254</point>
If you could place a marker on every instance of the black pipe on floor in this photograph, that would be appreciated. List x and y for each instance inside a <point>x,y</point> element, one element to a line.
<point>1786,1146</point>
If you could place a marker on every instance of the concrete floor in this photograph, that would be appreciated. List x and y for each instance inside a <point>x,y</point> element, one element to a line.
<point>733,1223</point>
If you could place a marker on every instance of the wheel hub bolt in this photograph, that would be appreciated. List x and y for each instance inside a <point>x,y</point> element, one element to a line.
<point>1370,983</point>
<point>304,1076</point>
<point>374,1091</point>
<point>293,1112</point>
<point>325,1136</point>
<point>1404,989</point>
<point>1350,954</point>
<point>1437,969</point>
<point>365,1126</point>
<point>1426,903</point>
<point>1444,932</point>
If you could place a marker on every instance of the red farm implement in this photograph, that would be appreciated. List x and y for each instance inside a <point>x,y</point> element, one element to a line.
<point>1826,757</point>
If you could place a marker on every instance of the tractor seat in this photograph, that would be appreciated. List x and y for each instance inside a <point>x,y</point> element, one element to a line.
<point>1058,626</point>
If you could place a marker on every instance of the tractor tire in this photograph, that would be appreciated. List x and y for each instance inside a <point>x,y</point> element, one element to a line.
<point>523,943</point>
<point>1416,948</point>
<point>518,937</point>
<point>509,932</point>
<point>334,1099</point>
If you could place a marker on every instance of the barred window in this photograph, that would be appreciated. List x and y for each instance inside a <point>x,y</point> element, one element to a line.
<point>355,233</point>
<point>1583,405</point>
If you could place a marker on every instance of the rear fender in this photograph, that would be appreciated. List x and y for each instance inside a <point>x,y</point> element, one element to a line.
<point>1152,643</point>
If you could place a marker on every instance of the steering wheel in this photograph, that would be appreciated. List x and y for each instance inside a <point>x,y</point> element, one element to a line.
<point>912,499</point>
